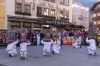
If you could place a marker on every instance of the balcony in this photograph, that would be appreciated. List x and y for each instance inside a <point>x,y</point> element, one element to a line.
<point>96,18</point>
<point>96,10</point>
<point>22,13</point>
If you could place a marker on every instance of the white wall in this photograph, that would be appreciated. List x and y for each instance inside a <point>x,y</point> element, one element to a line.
<point>11,8</point>
<point>79,10</point>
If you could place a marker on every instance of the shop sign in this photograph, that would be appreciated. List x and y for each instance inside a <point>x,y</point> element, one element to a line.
<point>56,22</point>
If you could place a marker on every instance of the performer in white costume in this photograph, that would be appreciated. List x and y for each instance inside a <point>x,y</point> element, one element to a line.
<point>47,45</point>
<point>76,43</point>
<point>23,49</point>
<point>92,47</point>
<point>56,46</point>
<point>11,48</point>
<point>38,38</point>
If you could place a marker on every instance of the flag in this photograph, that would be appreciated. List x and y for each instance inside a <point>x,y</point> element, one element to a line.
<point>91,31</point>
<point>47,33</point>
<point>55,34</point>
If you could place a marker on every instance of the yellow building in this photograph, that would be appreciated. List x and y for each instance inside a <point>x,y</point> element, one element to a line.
<point>3,14</point>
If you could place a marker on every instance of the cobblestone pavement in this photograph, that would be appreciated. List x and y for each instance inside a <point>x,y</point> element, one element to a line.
<point>68,56</point>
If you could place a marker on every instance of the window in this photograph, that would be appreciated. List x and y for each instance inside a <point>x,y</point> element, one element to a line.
<point>37,26</point>
<point>27,24</point>
<point>15,23</point>
<point>61,14</point>
<point>53,1</point>
<point>18,7</point>
<point>27,8</point>
<point>61,1</point>
<point>66,15</point>
<point>39,10</point>
<point>66,2</point>
<point>46,11</point>
<point>46,0</point>
<point>52,12</point>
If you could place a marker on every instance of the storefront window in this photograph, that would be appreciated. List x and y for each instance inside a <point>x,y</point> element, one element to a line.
<point>18,7</point>
<point>46,26</point>
<point>27,24</point>
<point>46,11</point>
<point>52,12</point>
<point>15,23</point>
<point>27,8</point>
<point>37,26</point>
<point>39,10</point>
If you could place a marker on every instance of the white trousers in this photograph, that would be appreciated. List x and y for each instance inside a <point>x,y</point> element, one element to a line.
<point>13,52</point>
<point>57,49</point>
<point>75,45</point>
<point>38,41</point>
<point>23,53</point>
<point>45,51</point>
<point>91,50</point>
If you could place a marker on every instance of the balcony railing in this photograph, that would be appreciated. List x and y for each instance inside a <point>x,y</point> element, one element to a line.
<point>97,10</point>
<point>96,18</point>
<point>22,13</point>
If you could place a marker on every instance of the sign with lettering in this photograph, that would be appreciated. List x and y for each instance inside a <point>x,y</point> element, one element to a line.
<point>23,34</point>
<point>56,22</point>
<point>47,33</point>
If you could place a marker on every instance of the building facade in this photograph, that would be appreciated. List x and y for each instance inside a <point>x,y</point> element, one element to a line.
<point>3,18</point>
<point>80,14</point>
<point>96,14</point>
<point>36,14</point>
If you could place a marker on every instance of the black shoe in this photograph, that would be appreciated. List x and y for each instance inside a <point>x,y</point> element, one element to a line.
<point>48,54</point>
<point>61,47</point>
<point>89,54</point>
<point>52,52</point>
<point>10,55</point>
<point>80,46</point>
<point>23,58</point>
<point>95,54</point>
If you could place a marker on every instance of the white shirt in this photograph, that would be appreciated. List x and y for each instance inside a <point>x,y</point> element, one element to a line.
<point>47,45</point>
<point>92,43</point>
<point>12,45</point>
<point>23,46</point>
<point>56,45</point>
<point>38,37</point>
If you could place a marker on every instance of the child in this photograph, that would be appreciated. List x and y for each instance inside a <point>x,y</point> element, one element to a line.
<point>76,43</point>
<point>47,45</point>
<point>56,46</point>
<point>92,47</point>
<point>23,49</point>
<point>11,48</point>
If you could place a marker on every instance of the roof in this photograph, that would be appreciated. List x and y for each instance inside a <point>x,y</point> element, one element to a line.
<point>94,6</point>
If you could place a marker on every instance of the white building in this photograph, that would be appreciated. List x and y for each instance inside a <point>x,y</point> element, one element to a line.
<point>80,14</point>
<point>35,14</point>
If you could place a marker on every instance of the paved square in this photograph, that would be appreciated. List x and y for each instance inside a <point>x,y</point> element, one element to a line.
<point>69,56</point>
